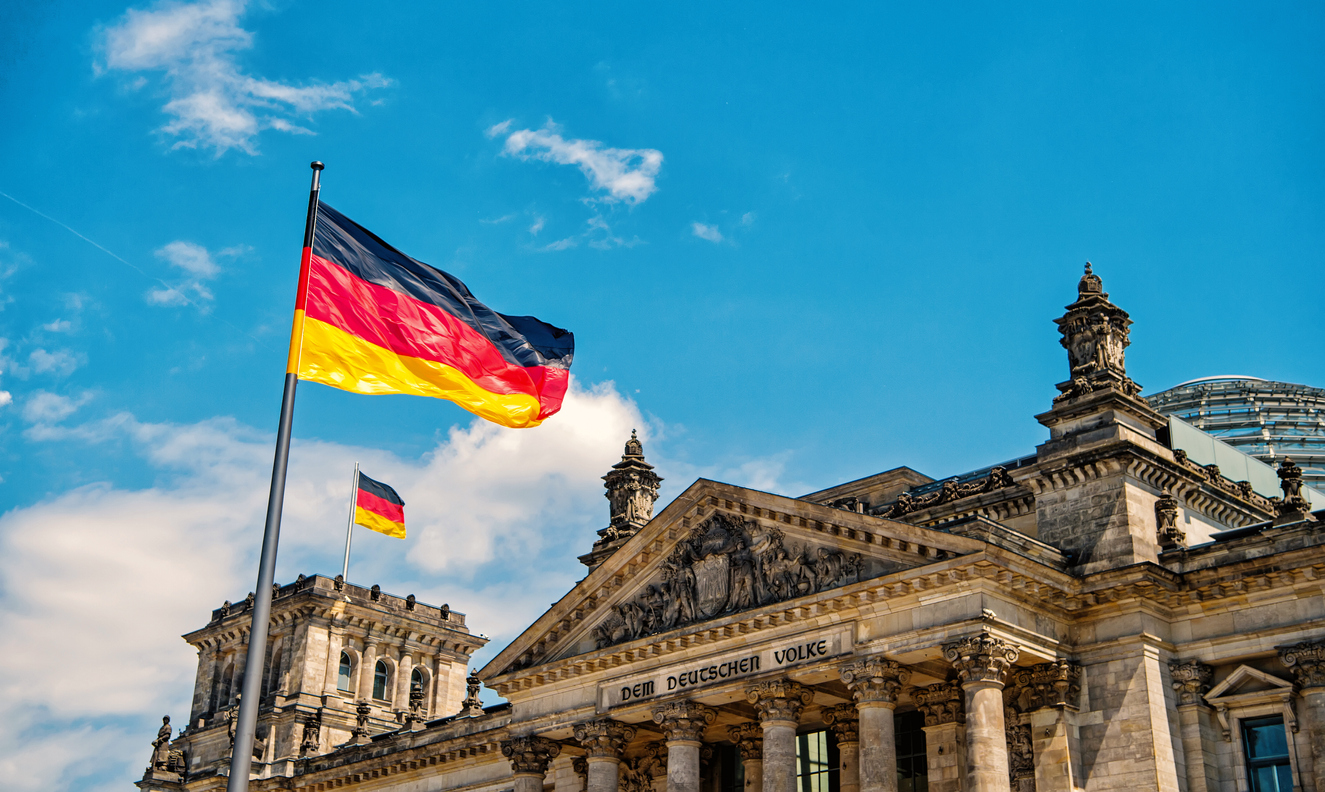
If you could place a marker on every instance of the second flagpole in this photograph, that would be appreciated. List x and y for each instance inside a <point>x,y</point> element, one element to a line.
<point>349,528</point>
<point>241,755</point>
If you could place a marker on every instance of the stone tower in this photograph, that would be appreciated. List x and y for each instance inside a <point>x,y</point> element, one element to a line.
<point>343,663</point>
<point>632,489</point>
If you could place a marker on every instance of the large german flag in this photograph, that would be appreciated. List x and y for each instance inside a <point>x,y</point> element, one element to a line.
<point>377,321</point>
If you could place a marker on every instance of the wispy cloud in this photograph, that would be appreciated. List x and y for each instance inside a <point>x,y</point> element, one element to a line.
<point>537,226</point>
<point>61,362</point>
<point>213,102</point>
<point>597,234</point>
<point>42,407</point>
<point>198,266</point>
<point>709,232</point>
<point>626,175</point>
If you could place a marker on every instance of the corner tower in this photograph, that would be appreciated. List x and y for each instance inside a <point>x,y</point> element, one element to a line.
<point>632,489</point>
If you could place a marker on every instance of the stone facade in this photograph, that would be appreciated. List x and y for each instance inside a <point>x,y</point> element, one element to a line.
<point>1099,615</point>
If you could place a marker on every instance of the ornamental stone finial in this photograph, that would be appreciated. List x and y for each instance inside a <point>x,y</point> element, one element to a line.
<point>1190,680</point>
<point>779,699</point>
<point>1290,481</point>
<point>981,658</point>
<point>844,720</point>
<point>683,720</point>
<point>1090,283</point>
<point>604,737</point>
<point>749,739</point>
<point>875,680</point>
<point>940,704</point>
<point>1095,335</point>
<point>1168,534</point>
<point>530,755</point>
<point>1307,662</point>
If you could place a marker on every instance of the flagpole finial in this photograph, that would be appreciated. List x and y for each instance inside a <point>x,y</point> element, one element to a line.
<point>315,165</point>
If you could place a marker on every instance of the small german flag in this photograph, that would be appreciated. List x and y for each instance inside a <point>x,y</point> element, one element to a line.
<point>377,507</point>
<point>369,319</point>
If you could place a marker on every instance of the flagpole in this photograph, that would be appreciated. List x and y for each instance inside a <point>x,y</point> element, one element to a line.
<point>349,528</point>
<point>241,757</point>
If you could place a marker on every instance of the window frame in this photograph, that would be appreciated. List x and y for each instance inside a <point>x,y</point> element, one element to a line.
<point>385,668</point>
<point>1245,724</point>
<point>347,662</point>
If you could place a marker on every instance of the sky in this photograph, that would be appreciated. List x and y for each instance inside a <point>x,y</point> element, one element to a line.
<point>797,245</point>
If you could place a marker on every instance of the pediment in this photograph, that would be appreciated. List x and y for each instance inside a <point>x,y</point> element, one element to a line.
<point>715,551</point>
<point>1247,680</point>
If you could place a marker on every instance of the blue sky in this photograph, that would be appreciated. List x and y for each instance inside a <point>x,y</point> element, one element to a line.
<point>796,245</point>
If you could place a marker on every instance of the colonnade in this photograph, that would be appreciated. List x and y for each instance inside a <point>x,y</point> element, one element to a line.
<point>967,714</point>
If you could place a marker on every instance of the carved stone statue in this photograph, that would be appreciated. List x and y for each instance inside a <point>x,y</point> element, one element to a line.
<point>1290,481</point>
<point>1170,535</point>
<point>472,705</point>
<point>632,489</point>
<point>161,745</point>
<point>1095,335</point>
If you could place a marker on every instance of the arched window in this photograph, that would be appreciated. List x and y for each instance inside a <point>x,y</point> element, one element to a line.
<point>343,676</point>
<point>379,681</point>
<point>416,678</point>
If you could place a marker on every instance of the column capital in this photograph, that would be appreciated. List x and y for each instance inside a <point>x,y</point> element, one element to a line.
<point>683,720</point>
<point>1190,680</point>
<point>604,737</point>
<point>1056,684</point>
<point>1307,662</point>
<point>844,720</point>
<point>875,680</point>
<point>530,755</point>
<point>779,699</point>
<point>749,739</point>
<point>981,658</point>
<point>940,704</point>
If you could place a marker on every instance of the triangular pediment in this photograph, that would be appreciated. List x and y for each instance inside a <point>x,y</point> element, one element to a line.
<point>1245,680</point>
<point>715,552</point>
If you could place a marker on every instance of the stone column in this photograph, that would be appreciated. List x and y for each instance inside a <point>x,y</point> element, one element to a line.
<point>404,670</point>
<point>603,740</point>
<point>335,645</point>
<point>683,725</point>
<point>529,757</point>
<point>779,703</point>
<point>945,734</point>
<point>1307,662</point>
<point>367,666</point>
<point>1190,682</point>
<point>982,663</point>
<point>875,683</point>
<point>237,677</point>
<point>844,721</point>
<point>749,739</point>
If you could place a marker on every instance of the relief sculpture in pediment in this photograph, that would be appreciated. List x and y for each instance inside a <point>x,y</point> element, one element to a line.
<point>724,566</point>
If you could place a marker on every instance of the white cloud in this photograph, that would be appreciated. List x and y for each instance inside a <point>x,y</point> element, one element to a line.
<point>6,398</point>
<point>43,407</point>
<point>190,257</point>
<point>709,232</point>
<point>58,326</point>
<point>748,219</point>
<point>61,362</point>
<point>199,265</point>
<point>537,226</point>
<point>213,102</point>
<point>625,174</point>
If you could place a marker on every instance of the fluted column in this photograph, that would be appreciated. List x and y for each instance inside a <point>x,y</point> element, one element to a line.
<point>945,734</point>
<point>779,703</point>
<point>529,760</point>
<point>1307,662</point>
<point>603,741</point>
<point>683,725</point>
<point>845,722</point>
<point>749,739</point>
<point>875,683</point>
<point>982,664</point>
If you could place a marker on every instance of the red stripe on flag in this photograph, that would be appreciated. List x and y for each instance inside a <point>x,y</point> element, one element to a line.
<point>381,507</point>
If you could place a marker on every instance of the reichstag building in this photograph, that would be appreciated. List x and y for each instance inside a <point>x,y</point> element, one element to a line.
<point>1105,613</point>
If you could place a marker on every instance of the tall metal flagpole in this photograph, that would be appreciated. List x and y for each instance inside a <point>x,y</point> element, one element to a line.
<point>241,757</point>
<point>349,529</point>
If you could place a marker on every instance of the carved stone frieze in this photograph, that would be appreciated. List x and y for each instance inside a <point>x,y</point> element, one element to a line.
<point>950,490</point>
<point>875,680</point>
<point>1307,662</point>
<point>1056,684</point>
<point>638,772</point>
<point>726,565</point>
<point>749,739</point>
<point>779,699</point>
<point>1021,755</point>
<point>1169,535</point>
<point>683,720</point>
<point>981,658</point>
<point>844,720</point>
<point>941,703</point>
<point>1190,680</point>
<point>604,737</point>
<point>530,755</point>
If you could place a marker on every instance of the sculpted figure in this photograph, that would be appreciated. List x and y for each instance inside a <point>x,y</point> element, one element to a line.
<point>742,578</point>
<point>161,745</point>
<point>829,567</point>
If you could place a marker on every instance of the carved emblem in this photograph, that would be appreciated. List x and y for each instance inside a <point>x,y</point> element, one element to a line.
<point>726,565</point>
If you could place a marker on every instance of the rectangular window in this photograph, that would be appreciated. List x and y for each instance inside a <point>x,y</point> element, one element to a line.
<point>816,763</point>
<point>912,758</point>
<point>1265,747</point>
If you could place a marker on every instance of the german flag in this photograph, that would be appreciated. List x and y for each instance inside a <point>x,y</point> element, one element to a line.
<point>377,507</point>
<point>377,321</point>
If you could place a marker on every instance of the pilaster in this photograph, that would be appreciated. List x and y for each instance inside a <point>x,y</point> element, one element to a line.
<point>1191,680</point>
